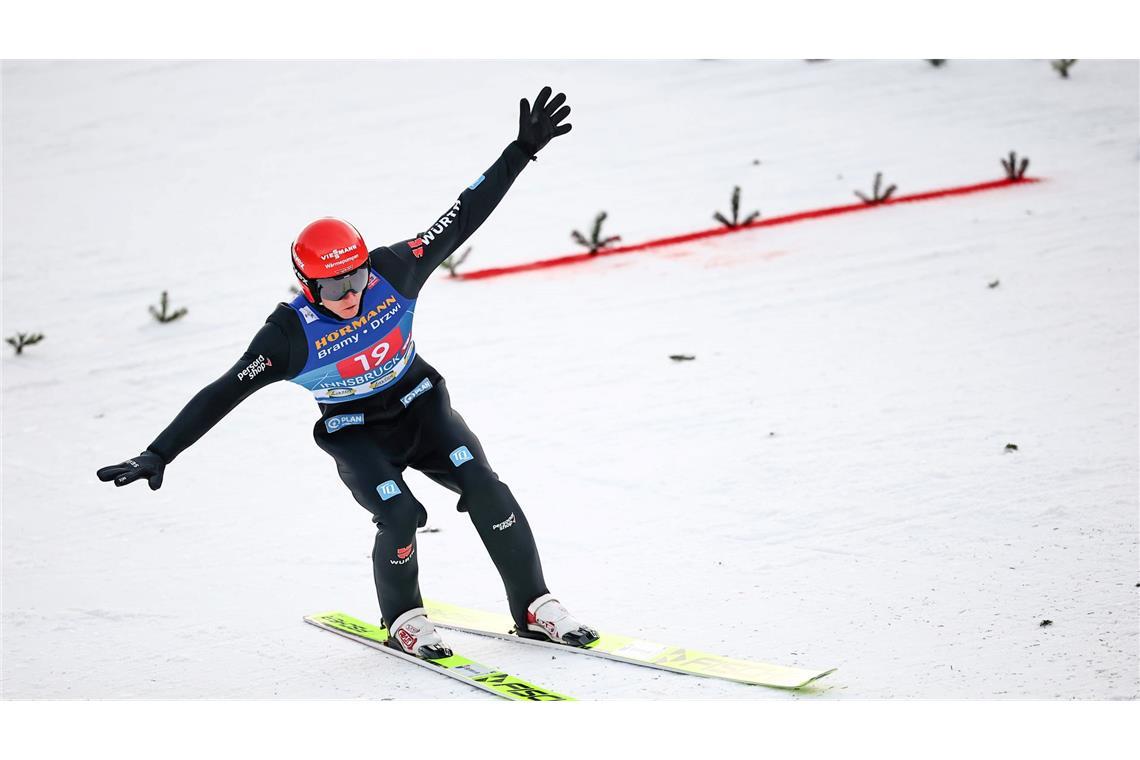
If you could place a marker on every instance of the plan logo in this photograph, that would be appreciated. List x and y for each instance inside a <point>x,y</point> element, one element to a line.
<point>460,456</point>
<point>333,424</point>
<point>419,390</point>
<point>387,490</point>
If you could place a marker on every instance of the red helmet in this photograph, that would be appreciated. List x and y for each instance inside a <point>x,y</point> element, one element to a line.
<point>327,248</point>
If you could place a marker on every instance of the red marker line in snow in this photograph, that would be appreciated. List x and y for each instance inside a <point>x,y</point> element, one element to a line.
<point>577,258</point>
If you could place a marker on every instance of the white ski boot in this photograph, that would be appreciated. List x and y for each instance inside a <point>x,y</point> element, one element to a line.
<point>412,633</point>
<point>547,619</point>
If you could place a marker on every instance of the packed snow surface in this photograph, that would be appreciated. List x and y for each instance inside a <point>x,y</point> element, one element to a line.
<point>826,484</point>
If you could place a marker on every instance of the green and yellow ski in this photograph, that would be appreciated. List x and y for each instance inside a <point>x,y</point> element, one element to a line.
<point>458,667</point>
<point>632,650</point>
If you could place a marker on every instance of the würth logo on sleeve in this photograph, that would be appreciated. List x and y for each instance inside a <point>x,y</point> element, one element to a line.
<point>403,554</point>
<point>436,230</point>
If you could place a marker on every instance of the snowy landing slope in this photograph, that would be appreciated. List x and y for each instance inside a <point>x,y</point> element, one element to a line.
<point>825,485</point>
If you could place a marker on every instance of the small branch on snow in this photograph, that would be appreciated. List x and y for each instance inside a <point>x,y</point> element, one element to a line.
<point>736,213</point>
<point>452,262</point>
<point>877,196</point>
<point>595,242</point>
<point>1013,170</point>
<point>164,314</point>
<point>19,340</point>
<point>1062,66</point>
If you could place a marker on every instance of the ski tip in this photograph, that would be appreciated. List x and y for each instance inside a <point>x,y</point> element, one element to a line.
<point>811,681</point>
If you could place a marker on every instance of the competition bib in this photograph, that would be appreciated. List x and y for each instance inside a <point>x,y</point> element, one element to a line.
<point>354,358</point>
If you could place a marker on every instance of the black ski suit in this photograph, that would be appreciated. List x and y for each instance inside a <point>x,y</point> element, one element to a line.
<point>372,456</point>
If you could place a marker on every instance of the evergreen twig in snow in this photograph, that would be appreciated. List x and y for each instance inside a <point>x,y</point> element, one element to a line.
<point>452,262</point>
<point>19,340</point>
<point>877,197</point>
<point>595,242</point>
<point>1062,66</point>
<point>1014,171</point>
<point>736,213</point>
<point>164,314</point>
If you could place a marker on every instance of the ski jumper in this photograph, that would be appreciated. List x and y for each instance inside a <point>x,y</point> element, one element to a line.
<point>384,408</point>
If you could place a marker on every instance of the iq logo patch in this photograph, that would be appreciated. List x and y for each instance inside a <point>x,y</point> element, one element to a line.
<point>333,424</point>
<point>460,456</point>
<point>387,490</point>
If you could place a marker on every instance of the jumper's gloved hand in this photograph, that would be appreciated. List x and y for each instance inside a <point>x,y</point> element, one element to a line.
<point>146,465</point>
<point>538,125</point>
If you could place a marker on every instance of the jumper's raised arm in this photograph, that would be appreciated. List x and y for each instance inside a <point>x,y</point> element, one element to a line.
<point>409,263</point>
<point>421,255</point>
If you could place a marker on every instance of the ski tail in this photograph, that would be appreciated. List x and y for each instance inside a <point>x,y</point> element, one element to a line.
<point>484,677</point>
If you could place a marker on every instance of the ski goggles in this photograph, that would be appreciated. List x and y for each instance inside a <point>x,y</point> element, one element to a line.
<point>336,288</point>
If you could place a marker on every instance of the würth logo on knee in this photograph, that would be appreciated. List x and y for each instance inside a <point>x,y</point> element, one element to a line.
<point>505,523</point>
<point>403,554</point>
<point>387,490</point>
<point>460,455</point>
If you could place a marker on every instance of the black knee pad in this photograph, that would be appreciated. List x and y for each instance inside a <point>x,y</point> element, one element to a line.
<point>486,494</point>
<point>401,516</point>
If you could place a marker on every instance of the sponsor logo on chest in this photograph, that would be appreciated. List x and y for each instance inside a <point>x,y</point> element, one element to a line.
<point>349,334</point>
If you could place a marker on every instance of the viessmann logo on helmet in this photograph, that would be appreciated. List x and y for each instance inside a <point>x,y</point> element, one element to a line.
<point>336,253</point>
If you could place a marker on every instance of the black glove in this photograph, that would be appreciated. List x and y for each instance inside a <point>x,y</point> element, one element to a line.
<point>146,465</point>
<point>538,125</point>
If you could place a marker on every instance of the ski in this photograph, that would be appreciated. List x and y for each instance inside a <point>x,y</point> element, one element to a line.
<point>456,666</point>
<point>632,650</point>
